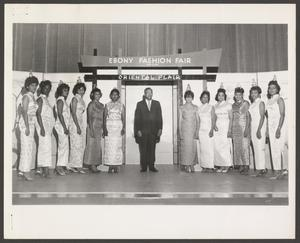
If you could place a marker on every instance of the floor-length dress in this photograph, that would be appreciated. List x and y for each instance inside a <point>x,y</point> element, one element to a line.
<point>113,152</point>
<point>77,141</point>
<point>206,143</point>
<point>63,139</point>
<point>258,144</point>
<point>93,150</point>
<point>241,144</point>
<point>222,144</point>
<point>277,144</point>
<point>44,156</point>
<point>188,144</point>
<point>27,142</point>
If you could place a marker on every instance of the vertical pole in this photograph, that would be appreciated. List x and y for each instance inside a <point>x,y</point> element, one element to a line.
<point>119,82</point>
<point>121,88</point>
<point>175,121</point>
<point>179,103</point>
<point>94,85</point>
<point>204,84</point>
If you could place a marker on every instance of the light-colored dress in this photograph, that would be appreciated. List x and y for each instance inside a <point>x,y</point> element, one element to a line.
<point>241,144</point>
<point>27,142</point>
<point>277,144</point>
<point>222,144</point>
<point>206,143</point>
<point>259,145</point>
<point>93,150</point>
<point>113,153</point>
<point>44,156</point>
<point>77,141</point>
<point>63,139</point>
<point>188,144</point>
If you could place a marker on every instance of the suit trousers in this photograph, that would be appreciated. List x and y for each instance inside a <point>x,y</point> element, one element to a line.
<point>147,150</point>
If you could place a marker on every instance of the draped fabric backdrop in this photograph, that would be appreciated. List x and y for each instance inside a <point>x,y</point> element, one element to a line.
<point>54,48</point>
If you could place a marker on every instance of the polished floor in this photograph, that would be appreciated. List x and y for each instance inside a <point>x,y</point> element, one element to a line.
<point>169,186</point>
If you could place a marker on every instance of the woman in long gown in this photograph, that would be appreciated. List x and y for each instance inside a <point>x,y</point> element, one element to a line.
<point>188,132</point>
<point>62,122</point>
<point>222,135</point>
<point>46,121</point>
<point>258,130</point>
<point>93,150</point>
<point>241,132</point>
<point>27,126</point>
<point>77,130</point>
<point>276,128</point>
<point>206,132</point>
<point>113,130</point>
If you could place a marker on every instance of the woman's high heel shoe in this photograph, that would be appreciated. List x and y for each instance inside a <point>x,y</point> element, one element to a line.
<point>192,169</point>
<point>74,170</point>
<point>80,171</point>
<point>27,177</point>
<point>59,171</point>
<point>94,169</point>
<point>46,173</point>
<point>187,169</point>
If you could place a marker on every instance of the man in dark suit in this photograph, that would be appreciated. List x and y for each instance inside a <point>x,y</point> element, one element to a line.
<point>147,129</point>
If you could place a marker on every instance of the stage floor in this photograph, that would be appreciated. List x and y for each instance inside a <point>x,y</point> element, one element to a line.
<point>169,186</point>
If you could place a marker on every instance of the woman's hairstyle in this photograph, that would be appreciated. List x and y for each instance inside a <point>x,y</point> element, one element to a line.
<point>254,88</point>
<point>95,90</point>
<point>77,87</point>
<point>114,91</point>
<point>31,80</point>
<point>188,93</point>
<point>220,90</point>
<point>43,84</point>
<point>205,92</point>
<point>273,82</point>
<point>60,89</point>
<point>238,90</point>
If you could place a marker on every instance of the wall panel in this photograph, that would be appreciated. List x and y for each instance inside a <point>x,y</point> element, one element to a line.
<point>58,47</point>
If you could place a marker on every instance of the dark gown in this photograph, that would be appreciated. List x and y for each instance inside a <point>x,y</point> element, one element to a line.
<point>93,151</point>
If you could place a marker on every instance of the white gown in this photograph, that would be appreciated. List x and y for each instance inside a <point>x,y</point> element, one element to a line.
<point>277,144</point>
<point>44,157</point>
<point>222,144</point>
<point>63,139</point>
<point>259,145</point>
<point>206,143</point>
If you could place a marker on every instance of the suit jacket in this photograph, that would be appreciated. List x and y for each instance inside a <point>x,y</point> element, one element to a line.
<point>148,122</point>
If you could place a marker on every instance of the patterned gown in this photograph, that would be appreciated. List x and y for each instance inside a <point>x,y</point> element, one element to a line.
<point>188,144</point>
<point>77,141</point>
<point>27,142</point>
<point>44,158</point>
<point>93,150</point>
<point>113,153</point>
<point>241,144</point>
<point>222,144</point>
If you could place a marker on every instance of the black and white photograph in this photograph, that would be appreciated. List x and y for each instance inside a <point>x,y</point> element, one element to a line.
<point>110,114</point>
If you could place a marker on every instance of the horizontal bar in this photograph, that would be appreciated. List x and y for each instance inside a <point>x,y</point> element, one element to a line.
<point>212,69</point>
<point>152,82</point>
<point>89,77</point>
